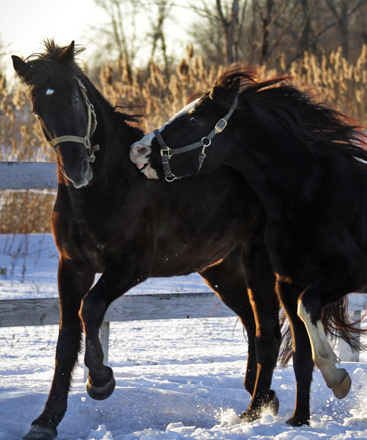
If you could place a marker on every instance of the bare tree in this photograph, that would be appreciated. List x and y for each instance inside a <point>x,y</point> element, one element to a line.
<point>157,23</point>
<point>229,16</point>
<point>276,18</point>
<point>122,35</point>
<point>136,25</point>
<point>342,11</point>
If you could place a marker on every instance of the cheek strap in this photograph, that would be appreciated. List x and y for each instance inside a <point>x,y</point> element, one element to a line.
<point>204,143</point>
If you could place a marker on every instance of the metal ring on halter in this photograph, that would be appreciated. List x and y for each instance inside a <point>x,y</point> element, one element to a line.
<point>207,140</point>
<point>170,178</point>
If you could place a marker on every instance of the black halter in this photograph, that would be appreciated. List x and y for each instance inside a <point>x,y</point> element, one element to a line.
<point>92,124</point>
<point>204,143</point>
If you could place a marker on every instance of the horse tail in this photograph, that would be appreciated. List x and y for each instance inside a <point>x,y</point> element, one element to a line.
<point>336,323</point>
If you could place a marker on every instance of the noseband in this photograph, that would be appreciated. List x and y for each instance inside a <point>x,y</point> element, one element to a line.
<point>91,126</point>
<point>204,143</point>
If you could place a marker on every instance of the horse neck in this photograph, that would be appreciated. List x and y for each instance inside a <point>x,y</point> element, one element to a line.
<point>275,163</point>
<point>114,137</point>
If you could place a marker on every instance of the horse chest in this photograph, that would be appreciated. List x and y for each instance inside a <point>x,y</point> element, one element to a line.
<point>84,242</point>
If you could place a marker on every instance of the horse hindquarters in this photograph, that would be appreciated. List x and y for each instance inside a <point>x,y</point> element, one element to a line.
<point>72,287</point>
<point>228,280</point>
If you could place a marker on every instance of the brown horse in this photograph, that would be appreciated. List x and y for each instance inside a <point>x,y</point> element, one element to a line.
<point>108,218</point>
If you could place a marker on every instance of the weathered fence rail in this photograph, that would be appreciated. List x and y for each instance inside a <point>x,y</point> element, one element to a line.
<point>28,175</point>
<point>45,311</point>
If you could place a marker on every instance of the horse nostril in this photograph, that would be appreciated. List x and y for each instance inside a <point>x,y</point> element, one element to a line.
<point>141,150</point>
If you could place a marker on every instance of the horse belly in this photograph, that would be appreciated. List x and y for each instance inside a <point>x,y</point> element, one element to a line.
<point>193,256</point>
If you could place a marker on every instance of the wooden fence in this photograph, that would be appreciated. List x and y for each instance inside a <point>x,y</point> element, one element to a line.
<point>45,311</point>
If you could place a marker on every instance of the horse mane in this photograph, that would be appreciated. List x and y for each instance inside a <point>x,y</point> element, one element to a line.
<point>321,128</point>
<point>43,64</point>
<point>53,51</point>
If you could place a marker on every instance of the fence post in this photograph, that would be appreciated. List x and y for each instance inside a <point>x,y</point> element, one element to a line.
<point>104,334</point>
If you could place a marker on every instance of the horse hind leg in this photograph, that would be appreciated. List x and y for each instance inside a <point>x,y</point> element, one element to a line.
<point>228,279</point>
<point>302,358</point>
<point>260,280</point>
<point>337,379</point>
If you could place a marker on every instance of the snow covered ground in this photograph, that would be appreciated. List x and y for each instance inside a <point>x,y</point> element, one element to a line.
<point>176,379</point>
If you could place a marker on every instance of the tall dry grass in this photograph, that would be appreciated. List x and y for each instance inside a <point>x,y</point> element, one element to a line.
<point>21,139</point>
<point>331,78</point>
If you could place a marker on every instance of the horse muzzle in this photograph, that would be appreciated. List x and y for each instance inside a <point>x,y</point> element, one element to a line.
<point>139,155</point>
<point>78,176</point>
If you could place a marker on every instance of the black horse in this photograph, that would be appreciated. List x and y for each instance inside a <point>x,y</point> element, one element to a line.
<point>108,218</point>
<point>307,165</point>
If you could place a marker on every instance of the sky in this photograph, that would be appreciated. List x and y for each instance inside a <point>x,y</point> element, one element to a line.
<point>24,24</point>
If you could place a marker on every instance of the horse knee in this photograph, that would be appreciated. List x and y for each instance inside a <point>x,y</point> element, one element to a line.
<point>91,311</point>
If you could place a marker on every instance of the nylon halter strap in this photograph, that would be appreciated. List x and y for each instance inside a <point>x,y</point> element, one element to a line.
<point>204,143</point>
<point>91,126</point>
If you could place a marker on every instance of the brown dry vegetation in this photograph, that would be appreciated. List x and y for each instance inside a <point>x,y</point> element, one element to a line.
<point>331,79</point>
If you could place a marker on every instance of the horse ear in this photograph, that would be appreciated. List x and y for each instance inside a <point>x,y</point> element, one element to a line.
<point>67,55</point>
<point>235,86</point>
<point>20,66</point>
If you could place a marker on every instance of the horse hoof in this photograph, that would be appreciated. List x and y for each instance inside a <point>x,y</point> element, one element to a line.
<point>298,421</point>
<point>250,416</point>
<point>342,389</point>
<point>273,403</point>
<point>40,433</point>
<point>103,392</point>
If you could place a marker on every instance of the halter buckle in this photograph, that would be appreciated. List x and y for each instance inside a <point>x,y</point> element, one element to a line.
<point>220,126</point>
<point>166,151</point>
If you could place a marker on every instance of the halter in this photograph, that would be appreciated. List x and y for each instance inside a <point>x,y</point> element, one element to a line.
<point>205,142</point>
<point>92,119</point>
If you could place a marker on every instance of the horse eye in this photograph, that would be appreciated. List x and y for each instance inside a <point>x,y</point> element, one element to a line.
<point>76,99</point>
<point>193,120</point>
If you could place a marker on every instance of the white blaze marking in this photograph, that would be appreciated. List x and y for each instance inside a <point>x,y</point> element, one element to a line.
<point>50,92</point>
<point>183,111</point>
<point>147,139</point>
<point>140,160</point>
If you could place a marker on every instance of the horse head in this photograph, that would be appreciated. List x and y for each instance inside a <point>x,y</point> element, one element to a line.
<point>59,100</point>
<point>180,146</point>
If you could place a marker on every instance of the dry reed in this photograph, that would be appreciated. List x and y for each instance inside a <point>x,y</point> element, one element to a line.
<point>331,78</point>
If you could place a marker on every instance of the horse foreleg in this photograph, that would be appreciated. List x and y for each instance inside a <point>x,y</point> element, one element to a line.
<point>72,287</point>
<point>323,356</point>
<point>117,279</point>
